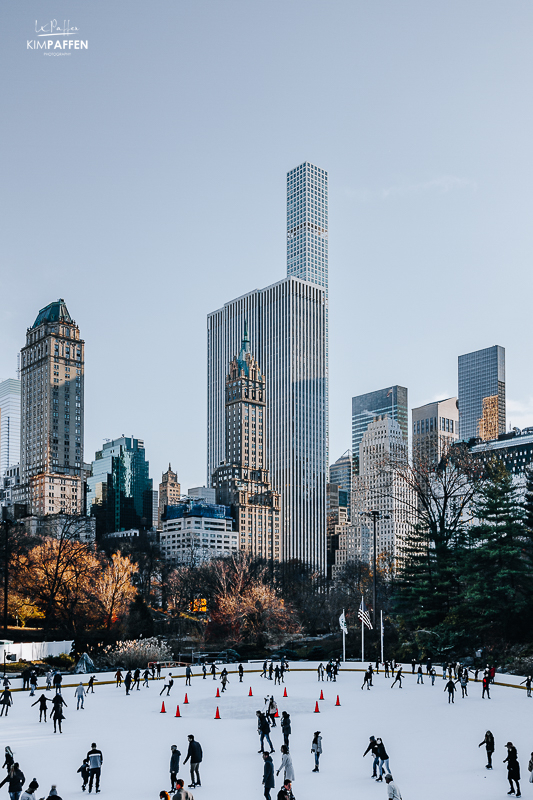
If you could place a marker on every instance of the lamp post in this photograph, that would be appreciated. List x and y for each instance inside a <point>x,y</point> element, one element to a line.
<point>375,515</point>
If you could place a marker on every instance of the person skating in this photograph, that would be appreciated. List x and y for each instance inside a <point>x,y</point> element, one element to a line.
<point>174,766</point>
<point>168,686</point>
<point>9,759</point>
<point>224,679</point>
<point>513,769</point>
<point>90,685</point>
<point>413,665</point>
<point>57,711</point>
<point>316,748</point>
<point>6,700</point>
<point>213,671</point>
<point>137,679</point>
<point>277,675</point>
<point>398,678</point>
<point>367,680</point>
<point>42,701</point>
<point>158,669</point>
<point>272,710</point>
<point>450,688</point>
<point>268,775</point>
<point>386,666</point>
<point>264,670</point>
<point>181,792</point>
<point>488,741</point>
<point>285,793</point>
<point>383,758</point>
<point>270,670</point>
<point>96,759</point>
<point>79,694</point>
<point>241,672</point>
<point>263,729</point>
<point>373,748</point>
<point>15,781</point>
<point>194,753</point>
<point>286,764</point>
<point>420,674</point>
<point>486,684</point>
<point>530,768</point>
<point>464,684</point>
<point>320,672</point>
<point>118,677</point>
<point>146,677</point>
<point>188,675</point>
<point>127,681</point>
<point>57,680</point>
<point>204,671</point>
<point>527,683</point>
<point>49,678</point>
<point>84,772</point>
<point>393,793</point>
<point>29,794</point>
<point>53,795</point>
<point>433,674</point>
<point>285,727</point>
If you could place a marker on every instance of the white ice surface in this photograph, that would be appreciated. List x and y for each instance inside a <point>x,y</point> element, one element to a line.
<point>433,746</point>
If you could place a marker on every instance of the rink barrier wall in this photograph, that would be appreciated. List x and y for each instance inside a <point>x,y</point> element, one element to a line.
<point>405,674</point>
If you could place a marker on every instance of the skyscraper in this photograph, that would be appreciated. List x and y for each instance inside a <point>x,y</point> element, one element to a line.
<point>9,424</point>
<point>341,472</point>
<point>119,490</point>
<point>169,491</point>
<point>286,324</point>
<point>391,401</point>
<point>242,482</point>
<point>307,224</point>
<point>51,458</point>
<point>435,428</point>
<point>482,393</point>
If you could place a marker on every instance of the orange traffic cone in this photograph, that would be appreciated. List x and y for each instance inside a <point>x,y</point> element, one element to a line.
<point>163,708</point>
<point>218,692</point>
<point>217,715</point>
<point>321,695</point>
<point>250,692</point>
<point>337,703</point>
<point>276,714</point>
<point>186,699</point>
<point>178,711</point>
<point>317,710</point>
<point>285,692</point>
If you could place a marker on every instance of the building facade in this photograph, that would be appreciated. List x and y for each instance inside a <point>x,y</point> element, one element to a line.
<point>514,449</point>
<point>52,411</point>
<point>338,515</point>
<point>287,327</point>
<point>169,492</point>
<point>341,472</point>
<point>9,424</point>
<point>119,490</point>
<point>194,531</point>
<point>435,428</point>
<point>242,481</point>
<point>481,378</point>
<point>391,401</point>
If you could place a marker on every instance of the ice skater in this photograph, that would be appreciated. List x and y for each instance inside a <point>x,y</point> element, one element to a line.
<point>268,775</point>
<point>488,741</point>
<point>286,764</point>
<point>79,694</point>
<point>241,672</point>
<point>263,729</point>
<point>137,679</point>
<point>33,682</point>
<point>29,794</point>
<point>127,681</point>
<point>486,686</point>
<point>527,683</point>
<point>195,755</point>
<point>398,678</point>
<point>224,679</point>
<point>188,675</point>
<point>285,793</point>
<point>42,701</point>
<point>393,793</point>
<point>57,680</point>
<point>373,748</point>
<point>118,677</point>
<point>84,772</point>
<point>168,686</point>
<point>15,780</point>
<point>513,769</point>
<point>96,759</point>
<point>450,688</point>
<point>464,684</point>
<point>213,670</point>
<point>146,677</point>
<point>204,671</point>
<point>420,674</point>
<point>6,700</point>
<point>367,680</point>
<point>272,710</point>
<point>57,711</point>
<point>90,685</point>
<point>383,758</point>
<point>174,766</point>
<point>285,727</point>
<point>320,672</point>
<point>181,792</point>
<point>316,749</point>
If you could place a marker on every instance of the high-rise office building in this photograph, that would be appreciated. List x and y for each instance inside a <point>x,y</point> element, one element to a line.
<point>391,401</point>
<point>119,490</point>
<point>169,491</point>
<point>51,437</point>
<point>9,424</point>
<point>341,472</point>
<point>242,481</point>
<point>482,394</point>
<point>435,428</point>
<point>286,324</point>
<point>307,238</point>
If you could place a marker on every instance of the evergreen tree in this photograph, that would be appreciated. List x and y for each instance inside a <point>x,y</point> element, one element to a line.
<point>498,574</point>
<point>528,500</point>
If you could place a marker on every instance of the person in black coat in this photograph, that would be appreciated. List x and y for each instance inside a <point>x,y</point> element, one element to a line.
<point>174,766</point>
<point>14,779</point>
<point>43,700</point>
<point>263,729</point>
<point>383,758</point>
<point>285,727</point>
<point>488,741</point>
<point>285,793</point>
<point>194,753</point>
<point>513,768</point>
<point>373,748</point>
<point>268,775</point>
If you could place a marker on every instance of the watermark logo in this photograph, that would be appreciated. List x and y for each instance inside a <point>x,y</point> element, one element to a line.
<point>61,44</point>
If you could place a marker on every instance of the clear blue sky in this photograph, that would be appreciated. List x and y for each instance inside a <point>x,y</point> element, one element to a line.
<point>143,180</point>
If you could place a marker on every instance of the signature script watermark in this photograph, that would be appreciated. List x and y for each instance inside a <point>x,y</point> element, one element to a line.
<point>53,28</point>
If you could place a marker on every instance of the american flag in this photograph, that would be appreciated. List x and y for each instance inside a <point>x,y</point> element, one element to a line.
<point>364,616</point>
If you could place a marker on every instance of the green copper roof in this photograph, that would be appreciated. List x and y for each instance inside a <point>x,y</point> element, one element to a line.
<point>54,312</point>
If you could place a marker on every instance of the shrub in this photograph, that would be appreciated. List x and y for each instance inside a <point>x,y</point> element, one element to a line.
<point>138,652</point>
<point>62,661</point>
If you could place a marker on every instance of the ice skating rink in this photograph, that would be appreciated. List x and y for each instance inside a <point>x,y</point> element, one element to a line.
<point>433,746</point>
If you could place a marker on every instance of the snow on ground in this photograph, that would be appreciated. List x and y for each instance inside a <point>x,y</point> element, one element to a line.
<point>433,746</point>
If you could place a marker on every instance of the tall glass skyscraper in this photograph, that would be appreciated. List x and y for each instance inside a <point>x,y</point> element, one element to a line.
<point>391,402</point>
<point>9,424</point>
<point>482,393</point>
<point>307,224</point>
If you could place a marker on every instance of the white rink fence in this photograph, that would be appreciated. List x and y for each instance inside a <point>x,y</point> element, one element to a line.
<point>34,651</point>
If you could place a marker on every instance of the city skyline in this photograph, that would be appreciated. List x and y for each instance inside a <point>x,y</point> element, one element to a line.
<point>171,200</point>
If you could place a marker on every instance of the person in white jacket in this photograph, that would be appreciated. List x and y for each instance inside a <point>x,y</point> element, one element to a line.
<point>316,748</point>
<point>29,794</point>
<point>286,764</point>
<point>393,793</point>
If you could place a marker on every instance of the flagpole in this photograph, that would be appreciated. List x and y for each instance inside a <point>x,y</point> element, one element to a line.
<point>343,641</point>
<point>382,659</point>
<point>362,636</point>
